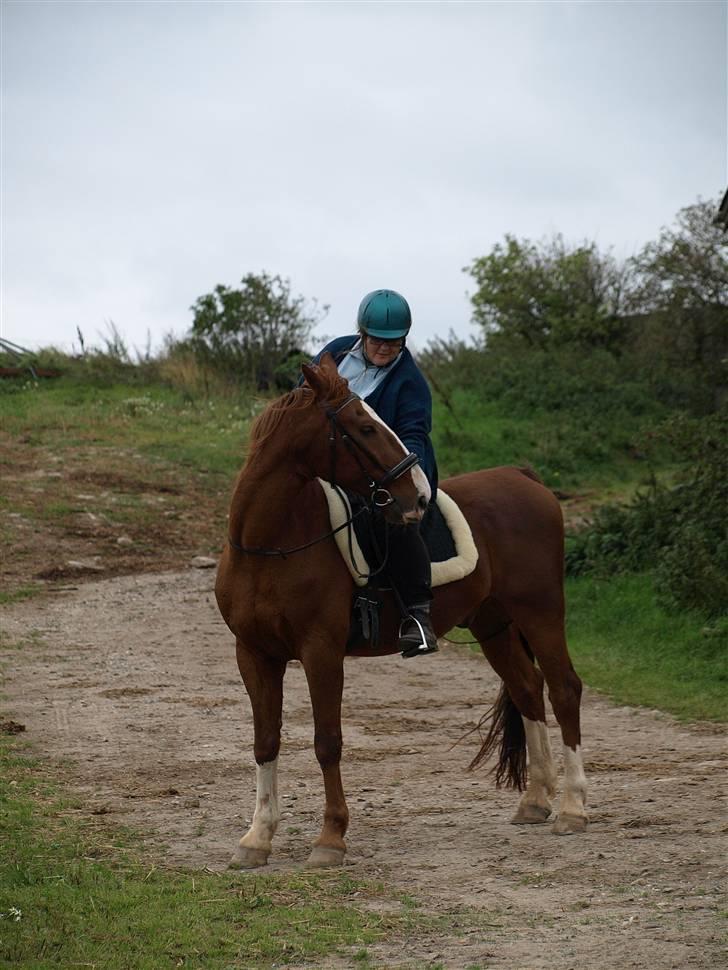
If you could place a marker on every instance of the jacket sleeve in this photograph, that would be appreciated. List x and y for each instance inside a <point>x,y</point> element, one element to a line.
<point>414,417</point>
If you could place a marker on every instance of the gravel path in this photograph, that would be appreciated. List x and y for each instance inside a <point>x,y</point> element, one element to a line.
<point>132,683</point>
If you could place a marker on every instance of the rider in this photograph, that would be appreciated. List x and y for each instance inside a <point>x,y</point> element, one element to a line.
<point>381,370</point>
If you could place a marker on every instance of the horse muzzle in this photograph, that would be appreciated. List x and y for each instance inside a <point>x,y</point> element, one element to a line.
<point>414,515</point>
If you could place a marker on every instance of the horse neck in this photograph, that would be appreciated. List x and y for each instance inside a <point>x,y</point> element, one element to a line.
<point>268,495</point>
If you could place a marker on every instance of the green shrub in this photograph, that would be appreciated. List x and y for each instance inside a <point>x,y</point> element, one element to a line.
<point>681,531</point>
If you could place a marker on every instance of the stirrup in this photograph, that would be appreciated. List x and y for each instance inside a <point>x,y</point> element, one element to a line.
<point>421,638</point>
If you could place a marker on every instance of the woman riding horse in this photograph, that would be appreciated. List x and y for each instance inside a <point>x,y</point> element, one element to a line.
<point>285,592</point>
<point>380,369</point>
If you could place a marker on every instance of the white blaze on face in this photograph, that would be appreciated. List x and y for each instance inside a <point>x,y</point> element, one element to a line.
<point>418,476</point>
<point>267,814</point>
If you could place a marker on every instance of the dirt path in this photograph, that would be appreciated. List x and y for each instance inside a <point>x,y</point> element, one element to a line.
<point>132,682</point>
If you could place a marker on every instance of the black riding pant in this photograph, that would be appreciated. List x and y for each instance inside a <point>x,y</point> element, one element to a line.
<point>408,562</point>
<point>409,569</point>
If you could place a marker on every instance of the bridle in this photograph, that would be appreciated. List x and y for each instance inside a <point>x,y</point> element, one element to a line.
<point>380,497</point>
<point>377,486</point>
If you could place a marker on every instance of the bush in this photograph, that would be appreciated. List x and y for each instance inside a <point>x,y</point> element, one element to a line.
<point>255,334</point>
<point>554,379</point>
<point>681,531</point>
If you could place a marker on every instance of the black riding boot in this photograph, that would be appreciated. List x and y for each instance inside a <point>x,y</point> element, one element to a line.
<point>411,573</point>
<point>416,636</point>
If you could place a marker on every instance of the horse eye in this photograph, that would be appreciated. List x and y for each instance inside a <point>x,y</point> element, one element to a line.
<point>368,429</point>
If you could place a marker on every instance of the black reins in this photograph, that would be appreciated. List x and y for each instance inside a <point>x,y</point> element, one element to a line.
<point>380,497</point>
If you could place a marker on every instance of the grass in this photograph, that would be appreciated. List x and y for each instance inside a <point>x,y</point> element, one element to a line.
<point>158,423</point>
<point>208,435</point>
<point>568,451</point>
<point>7,597</point>
<point>75,891</point>
<point>625,644</point>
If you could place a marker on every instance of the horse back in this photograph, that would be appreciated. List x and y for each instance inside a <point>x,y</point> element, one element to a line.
<point>516,522</point>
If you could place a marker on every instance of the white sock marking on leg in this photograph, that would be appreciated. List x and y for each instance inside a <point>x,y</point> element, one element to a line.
<point>541,770</point>
<point>267,813</point>
<point>573,801</point>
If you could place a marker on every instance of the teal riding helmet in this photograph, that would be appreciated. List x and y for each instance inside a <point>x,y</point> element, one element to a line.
<point>385,314</point>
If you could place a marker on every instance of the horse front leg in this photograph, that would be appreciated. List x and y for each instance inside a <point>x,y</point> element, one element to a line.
<point>263,679</point>
<point>325,676</point>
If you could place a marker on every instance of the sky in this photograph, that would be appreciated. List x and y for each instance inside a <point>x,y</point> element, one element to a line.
<point>152,150</point>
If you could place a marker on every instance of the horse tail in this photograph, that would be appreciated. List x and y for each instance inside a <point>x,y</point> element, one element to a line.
<point>505,729</point>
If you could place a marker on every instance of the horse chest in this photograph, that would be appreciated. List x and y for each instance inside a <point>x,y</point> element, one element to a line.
<point>270,601</point>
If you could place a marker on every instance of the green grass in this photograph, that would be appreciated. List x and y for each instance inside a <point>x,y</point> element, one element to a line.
<point>155,421</point>
<point>21,593</point>
<point>623,643</point>
<point>208,435</point>
<point>566,450</point>
<point>75,891</point>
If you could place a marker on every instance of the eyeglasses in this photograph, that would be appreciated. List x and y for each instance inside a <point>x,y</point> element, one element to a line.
<point>385,344</point>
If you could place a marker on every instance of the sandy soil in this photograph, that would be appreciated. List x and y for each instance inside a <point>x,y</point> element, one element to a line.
<point>132,683</point>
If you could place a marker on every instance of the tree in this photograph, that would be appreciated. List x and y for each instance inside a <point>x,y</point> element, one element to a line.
<point>254,331</point>
<point>549,294</point>
<point>682,293</point>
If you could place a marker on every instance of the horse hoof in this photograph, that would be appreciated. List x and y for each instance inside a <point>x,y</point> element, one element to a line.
<point>569,825</point>
<point>531,815</point>
<point>247,858</point>
<point>324,856</point>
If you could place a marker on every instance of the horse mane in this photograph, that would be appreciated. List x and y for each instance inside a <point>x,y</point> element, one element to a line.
<point>335,392</point>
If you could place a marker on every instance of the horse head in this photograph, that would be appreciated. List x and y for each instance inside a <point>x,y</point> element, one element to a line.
<point>361,453</point>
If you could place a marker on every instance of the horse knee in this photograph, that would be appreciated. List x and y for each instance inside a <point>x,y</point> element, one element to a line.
<point>266,748</point>
<point>328,748</point>
<point>565,699</point>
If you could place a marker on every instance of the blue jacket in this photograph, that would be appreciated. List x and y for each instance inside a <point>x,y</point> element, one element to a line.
<point>403,401</point>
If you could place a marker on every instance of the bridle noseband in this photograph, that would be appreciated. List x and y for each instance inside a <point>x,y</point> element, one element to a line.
<point>380,497</point>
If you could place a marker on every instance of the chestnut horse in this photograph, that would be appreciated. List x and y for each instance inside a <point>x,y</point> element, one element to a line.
<point>283,604</point>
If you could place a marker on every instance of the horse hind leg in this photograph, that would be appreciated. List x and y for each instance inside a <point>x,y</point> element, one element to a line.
<point>547,640</point>
<point>520,711</point>
<point>263,678</point>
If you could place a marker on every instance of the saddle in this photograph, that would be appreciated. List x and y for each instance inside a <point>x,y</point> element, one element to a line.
<point>444,529</point>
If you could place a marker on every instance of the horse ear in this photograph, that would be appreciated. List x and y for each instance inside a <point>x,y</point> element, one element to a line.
<point>327,364</point>
<point>319,376</point>
<point>312,373</point>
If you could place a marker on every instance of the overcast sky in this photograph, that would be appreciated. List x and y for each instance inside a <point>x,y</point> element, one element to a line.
<point>154,149</point>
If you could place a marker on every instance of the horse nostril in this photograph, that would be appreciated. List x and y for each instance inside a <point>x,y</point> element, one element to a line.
<point>422,502</point>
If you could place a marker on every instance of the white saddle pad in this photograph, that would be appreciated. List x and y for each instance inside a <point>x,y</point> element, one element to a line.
<point>448,571</point>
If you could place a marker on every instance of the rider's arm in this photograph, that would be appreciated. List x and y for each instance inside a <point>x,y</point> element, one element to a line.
<point>414,417</point>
